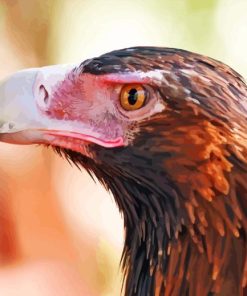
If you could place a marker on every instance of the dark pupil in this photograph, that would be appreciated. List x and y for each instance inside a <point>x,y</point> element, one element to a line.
<point>133,96</point>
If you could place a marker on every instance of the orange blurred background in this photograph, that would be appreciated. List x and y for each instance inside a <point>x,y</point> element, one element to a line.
<point>54,220</point>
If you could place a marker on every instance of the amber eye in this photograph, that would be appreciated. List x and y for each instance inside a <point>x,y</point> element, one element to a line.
<point>132,97</point>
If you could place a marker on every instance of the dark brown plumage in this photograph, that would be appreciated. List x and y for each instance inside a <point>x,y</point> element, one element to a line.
<point>180,179</point>
<point>182,183</point>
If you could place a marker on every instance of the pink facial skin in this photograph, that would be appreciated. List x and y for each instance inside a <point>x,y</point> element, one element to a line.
<point>90,105</point>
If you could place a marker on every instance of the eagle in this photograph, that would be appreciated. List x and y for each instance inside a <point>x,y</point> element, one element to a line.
<point>165,131</point>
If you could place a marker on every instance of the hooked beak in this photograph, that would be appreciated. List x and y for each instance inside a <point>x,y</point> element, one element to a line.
<point>22,121</point>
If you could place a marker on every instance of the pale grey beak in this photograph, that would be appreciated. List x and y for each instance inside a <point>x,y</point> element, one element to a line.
<point>20,95</point>
<point>17,104</point>
<point>25,111</point>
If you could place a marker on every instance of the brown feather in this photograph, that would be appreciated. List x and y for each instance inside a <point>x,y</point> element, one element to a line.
<point>181,183</point>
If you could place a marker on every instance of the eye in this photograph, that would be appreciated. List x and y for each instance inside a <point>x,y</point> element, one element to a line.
<point>132,97</point>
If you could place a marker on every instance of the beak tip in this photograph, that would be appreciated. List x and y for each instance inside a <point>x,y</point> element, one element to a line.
<point>17,104</point>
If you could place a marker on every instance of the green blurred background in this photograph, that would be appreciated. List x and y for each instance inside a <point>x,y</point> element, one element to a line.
<point>57,212</point>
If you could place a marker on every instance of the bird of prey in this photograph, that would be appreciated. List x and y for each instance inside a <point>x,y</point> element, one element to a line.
<point>164,130</point>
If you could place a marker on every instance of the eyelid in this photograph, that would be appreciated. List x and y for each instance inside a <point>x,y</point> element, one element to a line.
<point>126,78</point>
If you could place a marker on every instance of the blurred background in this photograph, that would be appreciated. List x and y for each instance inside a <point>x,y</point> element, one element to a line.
<point>56,225</point>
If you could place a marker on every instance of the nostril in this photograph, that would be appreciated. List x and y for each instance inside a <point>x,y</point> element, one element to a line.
<point>43,96</point>
<point>44,93</point>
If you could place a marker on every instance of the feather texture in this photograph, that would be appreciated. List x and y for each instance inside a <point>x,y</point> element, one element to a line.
<point>181,183</point>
